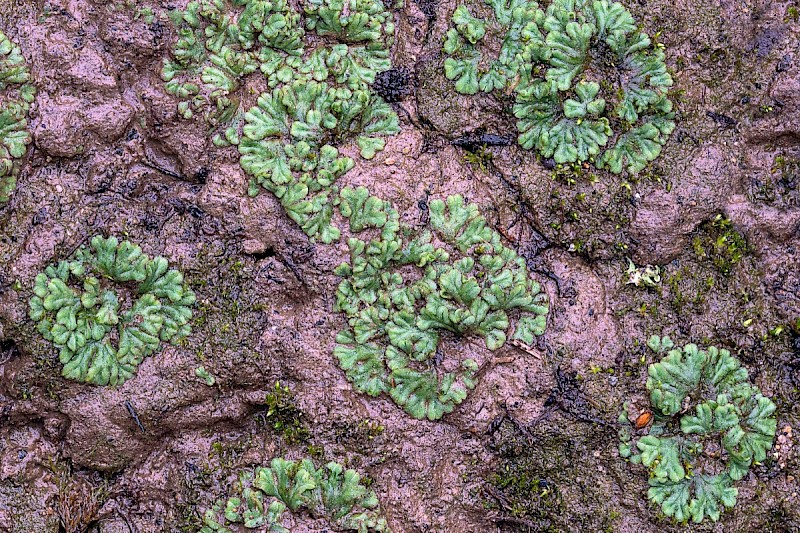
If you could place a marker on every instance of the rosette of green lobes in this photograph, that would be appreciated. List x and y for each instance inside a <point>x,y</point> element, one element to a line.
<point>289,146</point>
<point>704,407</point>
<point>364,33</point>
<point>515,26</point>
<point>263,496</point>
<point>108,308</point>
<point>16,97</point>
<point>588,85</point>
<point>221,43</point>
<point>406,290</point>
<point>567,131</point>
<point>604,96</point>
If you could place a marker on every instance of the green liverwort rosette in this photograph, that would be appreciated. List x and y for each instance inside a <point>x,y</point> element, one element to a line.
<point>108,308</point>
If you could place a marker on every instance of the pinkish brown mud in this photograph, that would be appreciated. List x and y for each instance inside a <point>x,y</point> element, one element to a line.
<point>534,446</point>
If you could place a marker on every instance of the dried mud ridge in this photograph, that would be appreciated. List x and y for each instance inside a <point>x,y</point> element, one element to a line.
<point>533,448</point>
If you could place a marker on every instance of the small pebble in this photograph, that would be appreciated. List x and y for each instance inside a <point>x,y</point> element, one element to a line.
<point>406,150</point>
<point>389,161</point>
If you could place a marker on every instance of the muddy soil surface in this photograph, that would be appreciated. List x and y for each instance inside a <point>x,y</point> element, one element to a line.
<point>533,448</point>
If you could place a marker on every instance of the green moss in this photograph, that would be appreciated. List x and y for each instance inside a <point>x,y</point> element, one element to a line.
<point>545,477</point>
<point>781,185</point>
<point>229,315</point>
<point>568,174</point>
<point>197,481</point>
<point>721,244</point>
<point>225,454</point>
<point>580,214</point>
<point>480,158</point>
<point>361,435</point>
<point>280,412</point>
<point>528,496</point>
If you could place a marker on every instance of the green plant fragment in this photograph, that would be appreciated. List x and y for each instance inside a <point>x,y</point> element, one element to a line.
<point>331,492</point>
<point>16,97</point>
